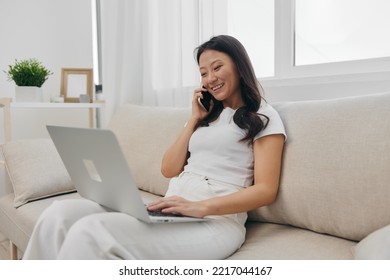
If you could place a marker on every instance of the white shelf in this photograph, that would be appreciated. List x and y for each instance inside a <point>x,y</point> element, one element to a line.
<point>6,105</point>
<point>57,105</point>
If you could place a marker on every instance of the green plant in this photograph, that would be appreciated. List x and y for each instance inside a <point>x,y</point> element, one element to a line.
<point>29,72</point>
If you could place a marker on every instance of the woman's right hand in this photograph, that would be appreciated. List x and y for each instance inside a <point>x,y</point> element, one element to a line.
<point>198,112</point>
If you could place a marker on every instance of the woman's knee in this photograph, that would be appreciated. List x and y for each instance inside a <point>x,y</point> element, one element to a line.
<point>86,239</point>
<point>72,207</point>
<point>69,211</point>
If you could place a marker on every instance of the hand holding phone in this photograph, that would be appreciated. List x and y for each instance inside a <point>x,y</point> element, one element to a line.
<point>205,101</point>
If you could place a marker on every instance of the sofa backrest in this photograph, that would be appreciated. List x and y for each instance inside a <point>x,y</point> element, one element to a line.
<point>145,133</point>
<point>336,167</point>
<point>336,163</point>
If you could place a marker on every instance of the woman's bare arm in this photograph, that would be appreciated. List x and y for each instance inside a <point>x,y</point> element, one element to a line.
<point>177,154</point>
<point>268,159</point>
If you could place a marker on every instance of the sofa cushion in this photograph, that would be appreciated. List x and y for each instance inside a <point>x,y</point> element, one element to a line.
<point>145,133</point>
<point>35,170</point>
<point>336,167</point>
<point>266,241</point>
<point>18,223</point>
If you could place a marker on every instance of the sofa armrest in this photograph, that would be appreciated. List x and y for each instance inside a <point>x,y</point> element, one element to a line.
<point>376,246</point>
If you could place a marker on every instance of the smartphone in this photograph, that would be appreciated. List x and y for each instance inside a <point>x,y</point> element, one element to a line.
<point>205,101</point>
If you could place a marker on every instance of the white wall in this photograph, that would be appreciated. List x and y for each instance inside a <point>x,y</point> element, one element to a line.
<point>56,32</point>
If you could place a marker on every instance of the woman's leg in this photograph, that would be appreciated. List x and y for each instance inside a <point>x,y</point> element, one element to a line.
<point>81,229</point>
<point>53,225</point>
<point>120,236</point>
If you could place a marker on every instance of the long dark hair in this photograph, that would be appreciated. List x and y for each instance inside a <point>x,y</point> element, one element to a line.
<point>246,117</point>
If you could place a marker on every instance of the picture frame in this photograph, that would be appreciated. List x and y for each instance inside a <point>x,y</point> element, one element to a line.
<point>76,83</point>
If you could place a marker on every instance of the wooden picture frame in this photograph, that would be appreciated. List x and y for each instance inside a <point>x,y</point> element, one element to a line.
<point>76,82</point>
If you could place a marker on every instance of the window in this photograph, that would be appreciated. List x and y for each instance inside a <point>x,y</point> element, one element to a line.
<point>252,22</point>
<point>298,53</point>
<point>341,30</point>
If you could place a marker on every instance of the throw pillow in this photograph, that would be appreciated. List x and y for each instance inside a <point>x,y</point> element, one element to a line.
<point>35,170</point>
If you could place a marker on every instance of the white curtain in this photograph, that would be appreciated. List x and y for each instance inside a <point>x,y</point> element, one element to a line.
<point>147,49</point>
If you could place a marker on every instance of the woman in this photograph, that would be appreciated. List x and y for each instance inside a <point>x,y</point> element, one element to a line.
<point>224,163</point>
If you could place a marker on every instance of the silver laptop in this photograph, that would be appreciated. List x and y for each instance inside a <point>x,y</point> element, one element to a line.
<point>100,172</point>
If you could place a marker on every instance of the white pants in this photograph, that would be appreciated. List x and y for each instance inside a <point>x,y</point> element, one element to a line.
<point>82,229</point>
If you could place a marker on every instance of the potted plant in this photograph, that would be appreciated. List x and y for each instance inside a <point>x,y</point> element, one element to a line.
<point>29,75</point>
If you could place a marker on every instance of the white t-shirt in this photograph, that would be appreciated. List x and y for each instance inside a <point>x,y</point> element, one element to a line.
<point>217,153</point>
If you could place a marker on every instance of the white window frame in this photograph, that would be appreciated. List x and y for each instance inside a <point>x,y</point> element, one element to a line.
<point>284,54</point>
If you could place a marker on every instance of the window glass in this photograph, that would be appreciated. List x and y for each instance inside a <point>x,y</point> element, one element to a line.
<point>252,22</point>
<point>341,30</point>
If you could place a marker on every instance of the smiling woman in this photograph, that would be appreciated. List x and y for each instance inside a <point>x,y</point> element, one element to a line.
<point>220,78</point>
<point>227,72</point>
<point>221,182</point>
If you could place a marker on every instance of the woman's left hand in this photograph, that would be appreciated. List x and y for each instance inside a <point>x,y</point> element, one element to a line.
<point>179,205</point>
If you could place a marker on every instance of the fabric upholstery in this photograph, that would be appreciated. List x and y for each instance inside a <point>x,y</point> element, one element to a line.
<point>336,167</point>
<point>334,186</point>
<point>18,223</point>
<point>282,242</point>
<point>144,134</point>
<point>35,169</point>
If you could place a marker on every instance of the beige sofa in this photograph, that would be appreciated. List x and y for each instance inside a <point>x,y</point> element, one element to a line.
<point>334,198</point>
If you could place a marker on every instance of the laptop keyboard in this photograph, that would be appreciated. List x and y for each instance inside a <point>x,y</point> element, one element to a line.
<point>158,213</point>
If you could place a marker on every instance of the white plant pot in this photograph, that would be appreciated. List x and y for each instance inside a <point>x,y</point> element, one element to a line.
<point>28,94</point>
